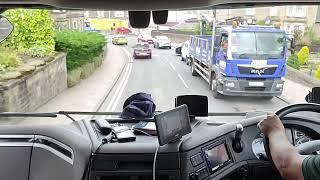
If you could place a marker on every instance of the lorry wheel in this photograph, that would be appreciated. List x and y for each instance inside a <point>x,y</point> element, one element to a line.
<point>182,59</point>
<point>193,70</point>
<point>214,88</point>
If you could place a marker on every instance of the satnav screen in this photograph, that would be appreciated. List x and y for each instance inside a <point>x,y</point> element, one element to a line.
<point>216,157</point>
<point>173,124</point>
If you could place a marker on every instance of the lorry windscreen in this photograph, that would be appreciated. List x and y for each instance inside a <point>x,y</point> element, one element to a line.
<point>257,45</point>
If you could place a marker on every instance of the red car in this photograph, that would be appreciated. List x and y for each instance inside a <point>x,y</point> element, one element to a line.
<point>145,38</point>
<point>142,50</point>
<point>123,30</point>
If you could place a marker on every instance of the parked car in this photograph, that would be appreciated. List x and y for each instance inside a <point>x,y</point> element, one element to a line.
<point>123,30</point>
<point>162,42</point>
<point>145,38</point>
<point>185,52</point>
<point>142,50</point>
<point>120,40</point>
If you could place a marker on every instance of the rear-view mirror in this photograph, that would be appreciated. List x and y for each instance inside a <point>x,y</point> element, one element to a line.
<point>6,28</point>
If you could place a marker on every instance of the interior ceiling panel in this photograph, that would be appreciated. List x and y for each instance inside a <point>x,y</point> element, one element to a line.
<point>150,4</point>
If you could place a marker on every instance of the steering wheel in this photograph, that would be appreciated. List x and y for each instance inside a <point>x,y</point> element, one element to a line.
<point>306,148</point>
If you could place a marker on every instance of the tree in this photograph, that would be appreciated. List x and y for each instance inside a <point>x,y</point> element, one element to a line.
<point>33,29</point>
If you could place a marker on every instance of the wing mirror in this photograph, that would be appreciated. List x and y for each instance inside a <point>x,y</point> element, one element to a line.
<point>6,28</point>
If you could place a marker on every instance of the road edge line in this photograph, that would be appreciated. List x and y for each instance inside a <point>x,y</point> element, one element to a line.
<point>102,100</point>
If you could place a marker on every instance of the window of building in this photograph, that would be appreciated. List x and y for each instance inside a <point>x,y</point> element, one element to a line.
<point>119,14</point>
<point>86,14</point>
<point>291,27</point>
<point>57,11</point>
<point>273,11</point>
<point>100,14</point>
<point>74,25</point>
<point>250,11</point>
<point>296,11</point>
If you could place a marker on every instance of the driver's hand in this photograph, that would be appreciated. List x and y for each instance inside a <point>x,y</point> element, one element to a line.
<point>271,124</point>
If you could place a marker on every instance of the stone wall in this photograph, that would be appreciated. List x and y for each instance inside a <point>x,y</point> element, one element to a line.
<point>31,91</point>
<point>302,78</point>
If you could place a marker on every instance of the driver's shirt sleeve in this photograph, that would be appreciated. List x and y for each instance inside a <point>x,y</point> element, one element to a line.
<point>311,167</point>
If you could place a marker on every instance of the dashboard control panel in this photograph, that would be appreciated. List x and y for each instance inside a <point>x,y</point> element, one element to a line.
<point>196,159</point>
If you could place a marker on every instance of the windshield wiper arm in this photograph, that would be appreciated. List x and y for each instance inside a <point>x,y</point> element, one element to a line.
<point>18,114</point>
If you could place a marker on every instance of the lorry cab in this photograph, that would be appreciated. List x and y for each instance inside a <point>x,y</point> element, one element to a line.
<point>255,52</point>
<point>247,60</point>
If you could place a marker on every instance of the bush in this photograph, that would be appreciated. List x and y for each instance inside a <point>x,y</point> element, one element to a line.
<point>317,74</point>
<point>81,47</point>
<point>32,28</point>
<point>293,61</point>
<point>36,51</point>
<point>303,55</point>
<point>8,59</point>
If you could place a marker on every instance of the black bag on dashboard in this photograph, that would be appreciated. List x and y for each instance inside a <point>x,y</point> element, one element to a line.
<point>139,105</point>
<point>314,96</point>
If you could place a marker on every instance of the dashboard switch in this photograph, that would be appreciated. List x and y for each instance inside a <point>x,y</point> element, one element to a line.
<point>193,176</point>
<point>236,143</point>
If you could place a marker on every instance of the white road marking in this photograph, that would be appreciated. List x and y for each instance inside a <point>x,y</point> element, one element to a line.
<point>115,98</point>
<point>155,55</point>
<point>125,80</point>
<point>184,83</point>
<point>179,75</point>
<point>174,68</point>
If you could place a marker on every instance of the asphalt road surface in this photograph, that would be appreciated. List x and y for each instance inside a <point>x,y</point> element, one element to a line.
<point>165,76</point>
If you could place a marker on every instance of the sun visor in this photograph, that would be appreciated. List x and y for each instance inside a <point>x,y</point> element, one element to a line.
<point>160,17</point>
<point>139,19</point>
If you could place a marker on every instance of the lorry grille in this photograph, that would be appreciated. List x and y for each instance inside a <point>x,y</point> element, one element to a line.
<point>254,88</point>
<point>250,70</point>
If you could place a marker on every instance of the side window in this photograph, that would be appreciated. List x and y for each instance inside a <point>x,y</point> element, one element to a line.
<point>224,43</point>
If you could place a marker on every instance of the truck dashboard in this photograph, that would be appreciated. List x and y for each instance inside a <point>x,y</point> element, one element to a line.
<point>78,151</point>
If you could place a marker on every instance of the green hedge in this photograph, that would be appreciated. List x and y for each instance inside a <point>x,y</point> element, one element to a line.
<point>8,59</point>
<point>81,47</point>
<point>293,61</point>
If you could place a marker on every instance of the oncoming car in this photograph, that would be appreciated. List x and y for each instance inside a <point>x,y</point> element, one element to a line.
<point>142,50</point>
<point>120,40</point>
<point>162,42</point>
<point>145,38</point>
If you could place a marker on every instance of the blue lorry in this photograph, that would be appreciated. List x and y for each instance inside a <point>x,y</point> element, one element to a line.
<point>246,60</point>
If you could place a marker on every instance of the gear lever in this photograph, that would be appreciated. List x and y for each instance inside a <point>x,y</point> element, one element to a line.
<point>236,143</point>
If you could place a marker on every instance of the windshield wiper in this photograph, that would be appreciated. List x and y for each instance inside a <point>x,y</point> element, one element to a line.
<point>17,114</point>
<point>244,55</point>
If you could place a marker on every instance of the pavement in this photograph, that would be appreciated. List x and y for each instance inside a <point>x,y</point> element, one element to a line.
<point>88,94</point>
<point>294,92</point>
<point>164,76</point>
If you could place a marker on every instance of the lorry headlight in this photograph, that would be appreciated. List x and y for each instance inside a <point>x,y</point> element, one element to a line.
<point>280,85</point>
<point>230,84</point>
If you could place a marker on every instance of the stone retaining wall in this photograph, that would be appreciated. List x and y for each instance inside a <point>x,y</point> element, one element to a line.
<point>29,92</point>
<point>300,77</point>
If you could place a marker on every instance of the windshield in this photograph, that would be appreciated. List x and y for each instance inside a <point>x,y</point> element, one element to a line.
<point>162,38</point>
<point>141,46</point>
<point>70,60</point>
<point>257,45</point>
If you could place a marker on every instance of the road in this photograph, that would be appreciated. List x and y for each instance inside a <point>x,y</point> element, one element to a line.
<point>165,76</point>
